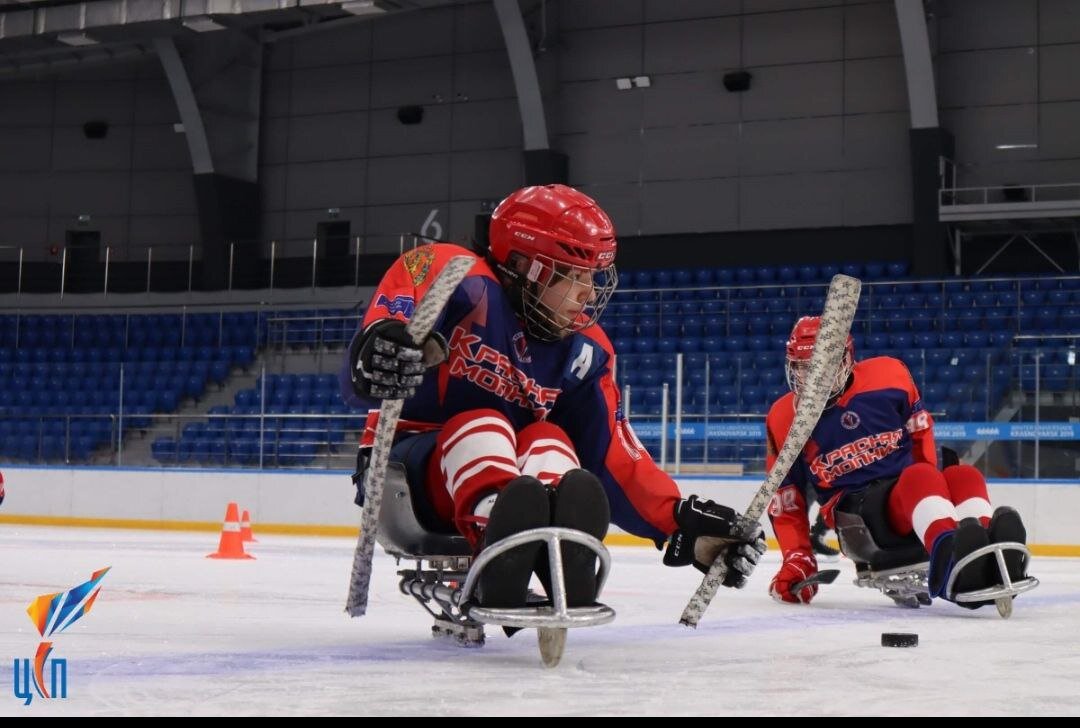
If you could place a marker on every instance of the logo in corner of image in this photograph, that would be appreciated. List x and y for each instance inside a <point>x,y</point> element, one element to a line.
<point>51,614</point>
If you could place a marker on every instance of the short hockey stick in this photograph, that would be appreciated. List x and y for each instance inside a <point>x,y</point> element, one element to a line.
<point>419,326</point>
<point>836,318</point>
<point>822,577</point>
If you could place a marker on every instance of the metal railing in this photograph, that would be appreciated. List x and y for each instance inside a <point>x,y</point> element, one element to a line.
<point>1016,414</point>
<point>179,267</point>
<point>1008,193</point>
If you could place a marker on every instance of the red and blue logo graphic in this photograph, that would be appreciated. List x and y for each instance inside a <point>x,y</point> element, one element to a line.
<point>52,613</point>
<point>401,304</point>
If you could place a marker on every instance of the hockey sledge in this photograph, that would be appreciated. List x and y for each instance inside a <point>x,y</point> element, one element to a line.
<point>446,574</point>
<point>899,566</point>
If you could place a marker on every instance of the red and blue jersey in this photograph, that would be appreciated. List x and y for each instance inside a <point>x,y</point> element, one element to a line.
<point>494,364</point>
<point>874,430</point>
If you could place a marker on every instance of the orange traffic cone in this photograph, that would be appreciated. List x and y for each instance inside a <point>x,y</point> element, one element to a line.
<point>245,528</point>
<point>231,545</point>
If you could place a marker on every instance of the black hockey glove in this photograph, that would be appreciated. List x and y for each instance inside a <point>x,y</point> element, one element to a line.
<point>386,364</point>
<point>708,529</point>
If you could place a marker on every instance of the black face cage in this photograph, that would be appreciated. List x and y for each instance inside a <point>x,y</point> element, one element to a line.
<point>546,320</point>
<point>796,370</point>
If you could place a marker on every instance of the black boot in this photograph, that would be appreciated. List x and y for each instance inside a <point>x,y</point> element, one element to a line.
<point>940,564</point>
<point>579,502</point>
<point>523,504</point>
<point>948,550</point>
<point>817,538</point>
<point>1006,526</point>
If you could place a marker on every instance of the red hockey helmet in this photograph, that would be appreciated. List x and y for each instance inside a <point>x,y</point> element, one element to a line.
<point>800,346</point>
<point>557,247</point>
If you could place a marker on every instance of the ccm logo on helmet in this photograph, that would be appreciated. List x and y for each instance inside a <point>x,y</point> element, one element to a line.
<point>525,236</point>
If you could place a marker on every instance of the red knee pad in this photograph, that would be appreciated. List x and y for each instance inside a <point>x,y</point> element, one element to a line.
<point>967,484</point>
<point>916,482</point>
<point>474,455</point>
<point>545,452</point>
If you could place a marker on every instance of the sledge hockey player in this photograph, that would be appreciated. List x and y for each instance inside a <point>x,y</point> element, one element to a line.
<point>876,434</point>
<point>512,402</point>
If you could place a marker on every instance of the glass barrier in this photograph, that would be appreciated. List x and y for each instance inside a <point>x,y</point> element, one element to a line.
<point>1013,413</point>
<point>1008,402</point>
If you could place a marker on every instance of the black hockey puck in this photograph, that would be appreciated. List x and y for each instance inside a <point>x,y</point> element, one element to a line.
<point>899,639</point>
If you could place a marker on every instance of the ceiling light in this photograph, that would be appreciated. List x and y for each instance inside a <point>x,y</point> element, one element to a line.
<point>76,39</point>
<point>202,24</point>
<point>1017,146</point>
<point>362,7</point>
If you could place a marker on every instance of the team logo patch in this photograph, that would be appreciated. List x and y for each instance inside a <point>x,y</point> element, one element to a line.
<point>418,263</point>
<point>521,348</point>
<point>849,420</point>
<point>401,304</point>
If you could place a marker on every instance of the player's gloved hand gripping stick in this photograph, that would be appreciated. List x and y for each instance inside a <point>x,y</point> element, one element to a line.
<point>418,328</point>
<point>836,318</point>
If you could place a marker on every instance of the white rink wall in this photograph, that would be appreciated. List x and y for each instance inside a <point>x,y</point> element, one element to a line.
<point>321,501</point>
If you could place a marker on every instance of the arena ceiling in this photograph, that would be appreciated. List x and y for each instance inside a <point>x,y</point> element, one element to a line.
<point>36,35</point>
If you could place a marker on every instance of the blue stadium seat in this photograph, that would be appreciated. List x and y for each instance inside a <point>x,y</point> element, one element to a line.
<point>745,276</point>
<point>693,326</point>
<point>923,320</point>
<point>1032,296</point>
<point>765,274</point>
<point>934,393</point>
<point>972,412</point>
<point>704,277</point>
<point>670,326</point>
<point>874,271</point>
<point>896,269</point>
<point>759,325</point>
<point>949,374</point>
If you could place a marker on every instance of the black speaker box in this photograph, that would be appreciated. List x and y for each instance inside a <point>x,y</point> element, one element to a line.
<point>409,115</point>
<point>95,129</point>
<point>737,81</point>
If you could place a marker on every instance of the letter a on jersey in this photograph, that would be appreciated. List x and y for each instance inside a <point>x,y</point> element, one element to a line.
<point>582,362</point>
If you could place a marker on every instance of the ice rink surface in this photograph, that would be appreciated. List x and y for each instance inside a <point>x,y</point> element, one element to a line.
<point>174,633</point>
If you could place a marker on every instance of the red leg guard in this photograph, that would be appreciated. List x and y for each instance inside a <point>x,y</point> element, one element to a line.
<point>967,491</point>
<point>545,452</point>
<point>475,454</point>
<point>920,502</point>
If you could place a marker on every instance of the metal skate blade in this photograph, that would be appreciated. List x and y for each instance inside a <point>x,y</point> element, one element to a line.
<point>552,641</point>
